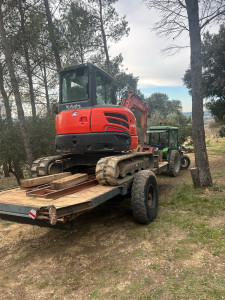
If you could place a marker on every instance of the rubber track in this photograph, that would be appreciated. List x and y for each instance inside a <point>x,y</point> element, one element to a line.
<point>107,168</point>
<point>40,165</point>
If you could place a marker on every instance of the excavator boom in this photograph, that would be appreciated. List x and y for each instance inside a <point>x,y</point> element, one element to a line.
<point>133,101</point>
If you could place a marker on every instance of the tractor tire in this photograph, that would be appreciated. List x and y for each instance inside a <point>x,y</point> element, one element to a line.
<point>184,162</point>
<point>144,197</point>
<point>174,163</point>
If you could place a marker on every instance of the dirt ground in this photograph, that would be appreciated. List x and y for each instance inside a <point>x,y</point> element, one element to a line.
<point>178,256</point>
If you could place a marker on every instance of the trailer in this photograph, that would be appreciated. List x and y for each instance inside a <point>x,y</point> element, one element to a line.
<point>40,202</point>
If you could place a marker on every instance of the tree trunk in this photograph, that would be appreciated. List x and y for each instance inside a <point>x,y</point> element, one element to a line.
<point>10,125</point>
<point>104,38</point>
<point>46,87</point>
<point>6,170</point>
<point>17,171</point>
<point>9,62</point>
<point>5,99</point>
<point>30,80</point>
<point>198,131</point>
<point>27,58</point>
<point>52,37</point>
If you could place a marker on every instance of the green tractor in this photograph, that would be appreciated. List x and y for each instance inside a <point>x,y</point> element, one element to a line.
<point>164,141</point>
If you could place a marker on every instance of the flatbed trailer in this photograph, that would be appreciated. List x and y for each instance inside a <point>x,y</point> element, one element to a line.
<point>42,203</point>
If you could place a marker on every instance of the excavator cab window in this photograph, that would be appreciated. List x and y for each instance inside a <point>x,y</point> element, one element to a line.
<point>75,85</point>
<point>85,86</point>
<point>104,89</point>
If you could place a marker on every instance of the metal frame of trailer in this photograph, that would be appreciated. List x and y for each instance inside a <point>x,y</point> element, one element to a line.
<point>40,203</point>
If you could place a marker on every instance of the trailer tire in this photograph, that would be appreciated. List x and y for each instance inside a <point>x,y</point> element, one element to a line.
<point>174,163</point>
<point>184,162</point>
<point>144,197</point>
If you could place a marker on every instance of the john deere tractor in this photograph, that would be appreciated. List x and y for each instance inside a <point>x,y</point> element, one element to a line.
<point>164,139</point>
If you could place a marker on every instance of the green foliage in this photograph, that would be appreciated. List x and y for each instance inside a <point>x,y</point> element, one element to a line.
<point>217,109</point>
<point>106,16</point>
<point>160,102</point>
<point>222,131</point>
<point>42,133</point>
<point>12,152</point>
<point>11,145</point>
<point>124,81</point>
<point>80,34</point>
<point>213,48</point>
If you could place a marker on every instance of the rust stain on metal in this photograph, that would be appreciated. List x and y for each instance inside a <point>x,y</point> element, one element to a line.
<point>48,193</point>
<point>52,215</point>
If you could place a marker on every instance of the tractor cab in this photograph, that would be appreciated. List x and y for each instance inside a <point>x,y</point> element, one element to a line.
<point>164,138</point>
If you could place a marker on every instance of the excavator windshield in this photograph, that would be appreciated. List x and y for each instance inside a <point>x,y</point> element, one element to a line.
<point>75,85</point>
<point>104,89</point>
<point>86,86</point>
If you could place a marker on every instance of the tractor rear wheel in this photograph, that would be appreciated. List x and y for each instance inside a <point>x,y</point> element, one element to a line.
<point>144,197</point>
<point>184,162</point>
<point>174,163</point>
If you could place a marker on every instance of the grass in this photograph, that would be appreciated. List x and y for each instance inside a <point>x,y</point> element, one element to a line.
<point>216,148</point>
<point>189,213</point>
<point>95,294</point>
<point>5,224</point>
<point>43,285</point>
<point>181,255</point>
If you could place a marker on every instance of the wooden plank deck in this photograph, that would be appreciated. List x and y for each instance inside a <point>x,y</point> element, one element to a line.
<point>163,163</point>
<point>18,197</point>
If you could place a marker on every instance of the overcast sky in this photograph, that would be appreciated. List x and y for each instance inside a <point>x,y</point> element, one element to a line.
<point>142,54</point>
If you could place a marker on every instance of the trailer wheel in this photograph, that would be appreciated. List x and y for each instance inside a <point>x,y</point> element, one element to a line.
<point>174,163</point>
<point>184,162</point>
<point>144,197</point>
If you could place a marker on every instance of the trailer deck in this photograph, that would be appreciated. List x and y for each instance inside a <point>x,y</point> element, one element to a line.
<point>16,202</point>
<point>41,203</point>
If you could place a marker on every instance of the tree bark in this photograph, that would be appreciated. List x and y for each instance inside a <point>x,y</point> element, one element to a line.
<point>15,86</point>
<point>52,36</point>
<point>46,87</point>
<point>5,170</point>
<point>198,131</point>
<point>27,59</point>
<point>104,38</point>
<point>5,99</point>
<point>17,171</point>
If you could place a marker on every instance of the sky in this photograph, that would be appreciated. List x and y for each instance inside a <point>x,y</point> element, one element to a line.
<point>142,55</point>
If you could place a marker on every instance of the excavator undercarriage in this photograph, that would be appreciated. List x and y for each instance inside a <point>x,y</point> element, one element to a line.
<point>109,170</point>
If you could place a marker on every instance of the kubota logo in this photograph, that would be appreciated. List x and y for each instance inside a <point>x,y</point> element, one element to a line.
<point>75,113</point>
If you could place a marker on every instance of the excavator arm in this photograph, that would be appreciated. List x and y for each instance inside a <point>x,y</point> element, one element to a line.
<point>133,101</point>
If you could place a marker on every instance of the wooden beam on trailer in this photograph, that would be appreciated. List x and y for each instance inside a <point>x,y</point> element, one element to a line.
<point>68,182</point>
<point>27,183</point>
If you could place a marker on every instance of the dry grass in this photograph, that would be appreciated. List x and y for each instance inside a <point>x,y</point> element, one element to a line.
<point>181,255</point>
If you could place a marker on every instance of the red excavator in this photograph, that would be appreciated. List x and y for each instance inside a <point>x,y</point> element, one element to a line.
<point>92,130</point>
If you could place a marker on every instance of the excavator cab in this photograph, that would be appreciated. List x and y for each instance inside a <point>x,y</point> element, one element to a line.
<point>89,121</point>
<point>85,86</point>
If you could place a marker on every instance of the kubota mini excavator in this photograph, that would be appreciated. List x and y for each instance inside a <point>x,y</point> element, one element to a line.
<point>92,130</point>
